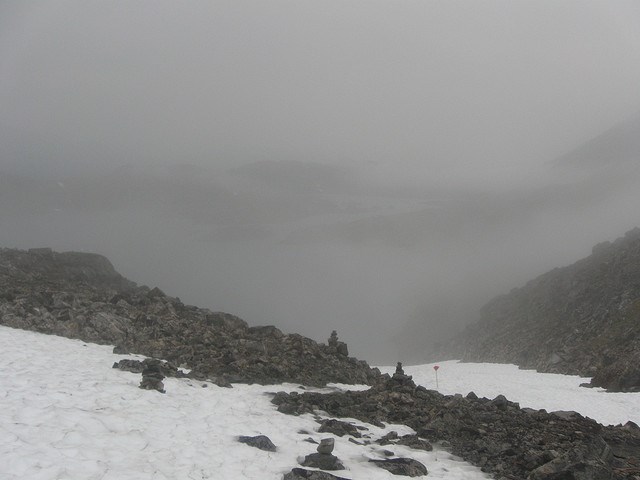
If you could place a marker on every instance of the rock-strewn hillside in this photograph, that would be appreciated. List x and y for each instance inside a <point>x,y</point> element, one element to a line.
<point>80,295</point>
<point>581,319</point>
<point>509,442</point>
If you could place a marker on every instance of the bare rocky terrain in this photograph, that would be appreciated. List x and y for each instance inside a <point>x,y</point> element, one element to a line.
<point>581,319</point>
<point>509,442</point>
<point>80,295</point>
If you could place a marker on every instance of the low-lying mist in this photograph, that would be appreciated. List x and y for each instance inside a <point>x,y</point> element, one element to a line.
<point>393,274</point>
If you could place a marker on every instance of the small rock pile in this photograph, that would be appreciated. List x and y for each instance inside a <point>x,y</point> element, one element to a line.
<point>152,376</point>
<point>323,459</point>
<point>168,370</point>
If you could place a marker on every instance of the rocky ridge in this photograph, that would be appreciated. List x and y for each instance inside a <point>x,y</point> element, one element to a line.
<point>582,319</point>
<point>509,442</point>
<point>80,295</point>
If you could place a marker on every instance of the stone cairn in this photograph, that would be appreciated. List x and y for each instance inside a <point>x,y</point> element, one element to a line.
<point>152,376</point>
<point>324,459</point>
<point>400,379</point>
<point>337,346</point>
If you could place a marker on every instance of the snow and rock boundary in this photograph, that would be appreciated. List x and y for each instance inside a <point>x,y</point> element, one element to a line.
<point>80,295</point>
<point>505,440</point>
<point>582,319</point>
<point>67,414</point>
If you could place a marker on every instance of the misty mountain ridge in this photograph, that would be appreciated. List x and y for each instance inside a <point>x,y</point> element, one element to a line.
<point>312,202</point>
<point>298,176</point>
<point>589,177</point>
<point>618,145</point>
<point>343,248</point>
<point>582,319</point>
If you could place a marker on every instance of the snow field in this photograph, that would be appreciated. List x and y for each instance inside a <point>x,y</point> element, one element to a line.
<point>529,388</point>
<point>66,414</point>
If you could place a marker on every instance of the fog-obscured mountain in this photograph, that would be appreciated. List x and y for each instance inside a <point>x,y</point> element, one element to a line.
<point>581,319</point>
<point>312,247</point>
<point>297,177</point>
<point>578,183</point>
<point>595,187</point>
<point>616,146</point>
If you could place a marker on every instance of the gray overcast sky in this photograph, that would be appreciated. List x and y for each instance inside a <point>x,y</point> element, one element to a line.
<point>415,88</point>
<point>407,150</point>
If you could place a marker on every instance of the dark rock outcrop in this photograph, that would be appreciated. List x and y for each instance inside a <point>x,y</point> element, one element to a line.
<point>168,370</point>
<point>407,467</point>
<point>495,434</point>
<point>302,474</point>
<point>80,295</point>
<point>582,319</point>
<point>261,442</point>
<point>323,461</point>
<point>338,427</point>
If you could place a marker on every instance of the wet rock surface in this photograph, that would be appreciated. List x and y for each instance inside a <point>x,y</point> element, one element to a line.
<point>495,434</point>
<point>80,295</point>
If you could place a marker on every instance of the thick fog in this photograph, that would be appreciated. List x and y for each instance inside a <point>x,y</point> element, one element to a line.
<point>381,168</point>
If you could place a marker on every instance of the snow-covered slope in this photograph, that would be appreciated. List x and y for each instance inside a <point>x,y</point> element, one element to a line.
<point>66,414</point>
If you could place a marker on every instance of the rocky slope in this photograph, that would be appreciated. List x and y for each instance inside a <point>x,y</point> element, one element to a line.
<point>581,319</point>
<point>80,295</point>
<point>509,442</point>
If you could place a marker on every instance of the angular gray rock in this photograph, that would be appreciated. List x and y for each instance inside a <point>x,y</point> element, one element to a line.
<point>326,445</point>
<point>503,439</point>
<point>338,427</point>
<point>261,442</point>
<point>407,467</point>
<point>323,461</point>
<point>302,474</point>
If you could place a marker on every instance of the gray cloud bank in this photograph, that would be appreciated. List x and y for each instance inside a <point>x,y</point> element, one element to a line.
<point>379,168</point>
